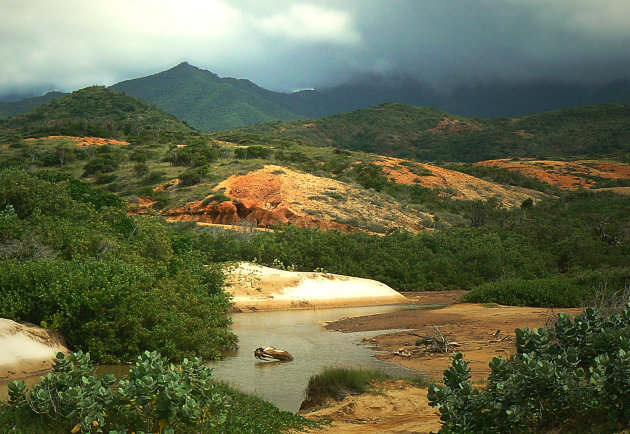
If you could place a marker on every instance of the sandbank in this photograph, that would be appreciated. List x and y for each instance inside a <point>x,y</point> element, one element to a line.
<point>254,287</point>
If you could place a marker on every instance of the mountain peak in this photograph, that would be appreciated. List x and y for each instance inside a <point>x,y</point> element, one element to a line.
<point>185,65</point>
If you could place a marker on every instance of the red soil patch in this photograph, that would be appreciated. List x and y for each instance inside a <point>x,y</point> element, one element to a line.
<point>85,141</point>
<point>278,195</point>
<point>167,186</point>
<point>566,175</point>
<point>461,185</point>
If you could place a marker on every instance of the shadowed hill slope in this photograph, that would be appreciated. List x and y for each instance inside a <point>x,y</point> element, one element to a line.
<point>205,100</point>
<point>424,133</point>
<point>95,111</point>
<point>14,108</point>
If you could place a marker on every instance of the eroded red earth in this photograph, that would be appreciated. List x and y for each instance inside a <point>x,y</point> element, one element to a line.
<point>568,175</point>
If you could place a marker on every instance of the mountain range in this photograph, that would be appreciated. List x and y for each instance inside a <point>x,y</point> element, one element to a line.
<point>392,129</point>
<point>209,102</point>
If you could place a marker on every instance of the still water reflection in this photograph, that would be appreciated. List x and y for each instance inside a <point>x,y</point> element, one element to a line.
<point>313,347</point>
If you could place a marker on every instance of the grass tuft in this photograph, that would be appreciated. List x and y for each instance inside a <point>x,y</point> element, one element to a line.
<point>336,383</point>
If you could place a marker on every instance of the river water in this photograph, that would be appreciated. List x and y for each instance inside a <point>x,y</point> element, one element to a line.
<point>302,333</point>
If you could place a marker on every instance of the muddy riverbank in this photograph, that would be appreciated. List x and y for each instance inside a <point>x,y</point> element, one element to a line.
<point>473,327</point>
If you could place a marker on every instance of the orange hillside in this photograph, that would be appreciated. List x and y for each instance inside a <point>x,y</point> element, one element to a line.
<point>569,175</point>
<point>461,185</point>
<point>85,141</point>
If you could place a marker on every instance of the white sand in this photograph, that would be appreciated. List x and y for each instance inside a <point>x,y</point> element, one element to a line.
<point>255,287</point>
<point>26,350</point>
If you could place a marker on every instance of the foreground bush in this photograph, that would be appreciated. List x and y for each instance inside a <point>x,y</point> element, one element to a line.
<point>576,376</point>
<point>157,397</point>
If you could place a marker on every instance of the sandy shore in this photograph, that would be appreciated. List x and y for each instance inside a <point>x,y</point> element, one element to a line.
<point>398,407</point>
<point>472,326</point>
<point>403,408</point>
<point>27,350</point>
<point>254,287</point>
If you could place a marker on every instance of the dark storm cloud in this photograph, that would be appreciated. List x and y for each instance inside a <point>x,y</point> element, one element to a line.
<point>287,45</point>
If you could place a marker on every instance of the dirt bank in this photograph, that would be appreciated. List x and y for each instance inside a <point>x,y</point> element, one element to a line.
<point>278,195</point>
<point>397,408</point>
<point>84,141</point>
<point>472,326</point>
<point>27,350</point>
<point>254,287</point>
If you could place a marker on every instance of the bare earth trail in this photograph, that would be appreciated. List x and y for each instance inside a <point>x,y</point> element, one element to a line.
<point>405,409</point>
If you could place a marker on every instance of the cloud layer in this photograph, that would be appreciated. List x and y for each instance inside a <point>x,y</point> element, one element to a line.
<point>288,45</point>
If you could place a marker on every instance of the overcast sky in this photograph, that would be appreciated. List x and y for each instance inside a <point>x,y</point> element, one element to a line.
<point>289,45</point>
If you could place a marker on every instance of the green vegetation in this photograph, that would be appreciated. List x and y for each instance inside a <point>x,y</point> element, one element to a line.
<point>504,250</point>
<point>207,101</point>
<point>255,151</point>
<point>251,414</point>
<point>10,109</point>
<point>336,383</point>
<point>99,112</point>
<point>424,134</point>
<point>574,377</point>
<point>114,285</point>
<point>572,289</point>
<point>156,397</point>
<point>452,258</point>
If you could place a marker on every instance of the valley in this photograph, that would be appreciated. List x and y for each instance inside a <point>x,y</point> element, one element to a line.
<point>125,229</point>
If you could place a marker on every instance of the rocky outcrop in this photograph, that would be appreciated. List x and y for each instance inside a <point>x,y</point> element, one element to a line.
<point>239,211</point>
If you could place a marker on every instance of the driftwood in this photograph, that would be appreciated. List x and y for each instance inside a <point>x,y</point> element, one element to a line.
<point>268,353</point>
<point>438,342</point>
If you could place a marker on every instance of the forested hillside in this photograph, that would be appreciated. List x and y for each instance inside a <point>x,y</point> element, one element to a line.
<point>94,111</point>
<point>429,134</point>
<point>10,109</point>
<point>205,100</point>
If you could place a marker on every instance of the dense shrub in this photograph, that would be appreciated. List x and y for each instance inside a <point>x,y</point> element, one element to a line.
<point>254,151</point>
<point>576,376</point>
<point>100,164</point>
<point>294,156</point>
<point>193,155</point>
<point>575,289</point>
<point>114,310</point>
<point>71,259</point>
<point>193,176</point>
<point>370,175</point>
<point>453,258</point>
